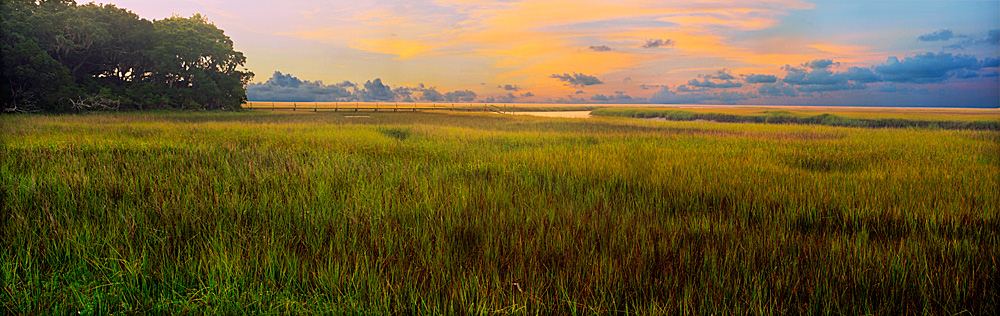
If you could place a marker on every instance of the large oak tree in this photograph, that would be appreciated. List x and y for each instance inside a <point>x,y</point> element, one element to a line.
<point>60,56</point>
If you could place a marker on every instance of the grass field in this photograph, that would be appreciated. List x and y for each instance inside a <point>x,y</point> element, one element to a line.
<point>440,212</point>
<point>974,119</point>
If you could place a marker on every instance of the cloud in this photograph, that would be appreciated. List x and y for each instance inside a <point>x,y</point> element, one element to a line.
<point>527,94</point>
<point>821,79</point>
<point>720,75</point>
<point>890,87</point>
<point>777,90</point>
<point>753,78</point>
<point>602,48</point>
<point>925,68</point>
<point>569,99</point>
<point>376,91</point>
<point>282,87</point>
<point>992,38</point>
<point>705,83</point>
<point>461,95</point>
<point>431,95</point>
<point>939,35</point>
<point>283,80</point>
<point>577,80</point>
<point>821,76</point>
<point>507,98</point>
<point>601,97</point>
<point>619,96</point>
<point>965,74</point>
<point>861,75</point>
<point>285,87</point>
<point>404,93</point>
<point>814,77</point>
<point>579,92</point>
<point>665,96</point>
<point>510,87</point>
<point>650,86</point>
<point>685,88</point>
<point>820,64</point>
<point>991,62</point>
<point>654,43</point>
<point>831,87</point>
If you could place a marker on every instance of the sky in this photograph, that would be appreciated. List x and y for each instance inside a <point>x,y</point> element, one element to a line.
<point>793,52</point>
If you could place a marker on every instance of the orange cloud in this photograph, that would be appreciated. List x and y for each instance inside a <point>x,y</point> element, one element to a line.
<point>403,49</point>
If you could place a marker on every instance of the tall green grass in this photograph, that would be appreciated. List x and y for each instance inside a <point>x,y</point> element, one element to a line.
<point>429,213</point>
<point>788,117</point>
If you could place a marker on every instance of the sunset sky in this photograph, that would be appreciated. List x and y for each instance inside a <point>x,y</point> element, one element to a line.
<point>927,53</point>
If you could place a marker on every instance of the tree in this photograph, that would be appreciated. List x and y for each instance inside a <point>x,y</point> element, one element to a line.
<point>197,62</point>
<point>58,55</point>
<point>32,79</point>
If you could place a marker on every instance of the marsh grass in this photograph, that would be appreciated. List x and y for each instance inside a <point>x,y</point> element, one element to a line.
<point>428,213</point>
<point>967,119</point>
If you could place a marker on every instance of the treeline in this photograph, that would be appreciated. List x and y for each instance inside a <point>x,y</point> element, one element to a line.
<point>59,56</point>
<point>784,117</point>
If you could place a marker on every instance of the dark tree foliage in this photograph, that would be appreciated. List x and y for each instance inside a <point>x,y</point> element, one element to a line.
<point>60,56</point>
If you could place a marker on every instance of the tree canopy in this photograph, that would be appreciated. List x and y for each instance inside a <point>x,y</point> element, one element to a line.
<point>59,56</point>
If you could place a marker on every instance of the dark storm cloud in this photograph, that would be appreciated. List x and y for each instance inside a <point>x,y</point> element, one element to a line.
<point>654,43</point>
<point>602,48</point>
<point>753,78</point>
<point>926,68</point>
<point>577,80</point>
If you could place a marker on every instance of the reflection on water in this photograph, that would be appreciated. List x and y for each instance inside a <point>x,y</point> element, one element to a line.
<point>565,114</point>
